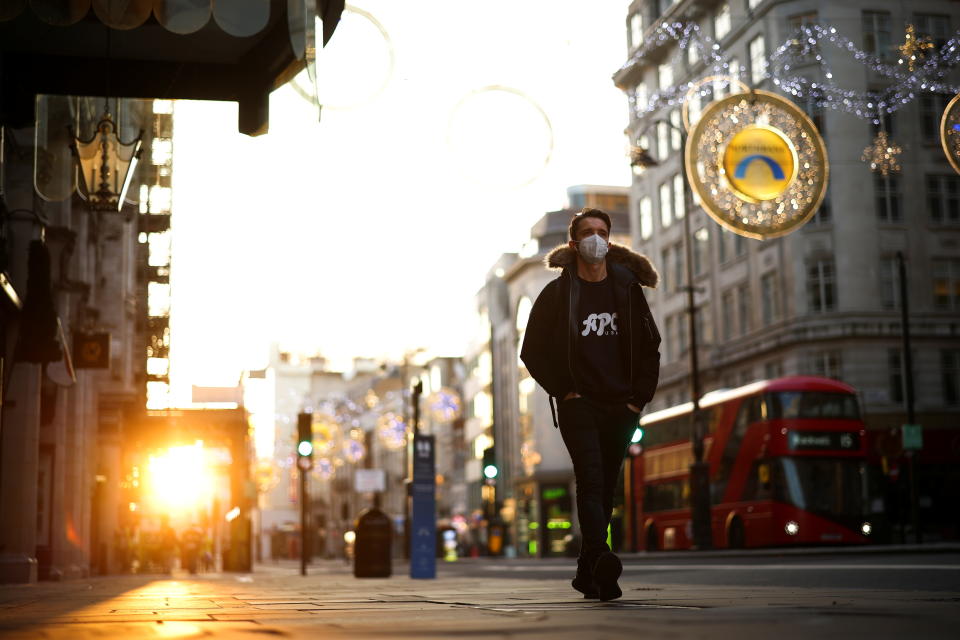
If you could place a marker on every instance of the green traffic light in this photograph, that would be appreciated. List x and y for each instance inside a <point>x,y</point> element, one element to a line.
<point>490,471</point>
<point>637,436</point>
<point>305,448</point>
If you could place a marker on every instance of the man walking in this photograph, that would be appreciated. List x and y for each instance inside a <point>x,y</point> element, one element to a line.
<point>592,344</point>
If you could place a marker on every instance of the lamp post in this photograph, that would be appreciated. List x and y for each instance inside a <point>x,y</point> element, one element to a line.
<point>640,160</point>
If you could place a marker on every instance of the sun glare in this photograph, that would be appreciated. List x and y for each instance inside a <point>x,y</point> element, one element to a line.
<point>181,479</point>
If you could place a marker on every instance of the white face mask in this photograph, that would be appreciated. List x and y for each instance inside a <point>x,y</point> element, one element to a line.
<point>593,249</point>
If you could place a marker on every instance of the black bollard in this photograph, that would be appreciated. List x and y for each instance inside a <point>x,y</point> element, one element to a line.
<point>371,556</point>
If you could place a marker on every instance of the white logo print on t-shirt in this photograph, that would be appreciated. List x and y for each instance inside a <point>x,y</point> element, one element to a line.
<point>599,322</point>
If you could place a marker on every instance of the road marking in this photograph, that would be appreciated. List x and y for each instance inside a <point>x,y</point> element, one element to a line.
<point>746,567</point>
<point>569,606</point>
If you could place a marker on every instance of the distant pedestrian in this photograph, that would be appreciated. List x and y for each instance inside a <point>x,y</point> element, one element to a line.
<point>592,344</point>
<point>168,544</point>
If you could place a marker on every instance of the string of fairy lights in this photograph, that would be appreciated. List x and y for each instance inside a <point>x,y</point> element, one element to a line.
<point>802,68</point>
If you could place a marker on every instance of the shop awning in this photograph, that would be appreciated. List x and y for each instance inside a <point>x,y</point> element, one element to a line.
<point>237,50</point>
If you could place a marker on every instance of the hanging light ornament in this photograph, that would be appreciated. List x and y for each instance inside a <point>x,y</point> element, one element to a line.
<point>106,164</point>
<point>265,475</point>
<point>882,155</point>
<point>354,450</point>
<point>793,67</point>
<point>323,469</point>
<point>913,48</point>
<point>530,457</point>
<point>950,132</point>
<point>326,433</point>
<point>444,405</point>
<point>392,431</point>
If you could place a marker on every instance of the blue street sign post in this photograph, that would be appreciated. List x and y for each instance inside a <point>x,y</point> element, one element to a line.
<point>423,526</point>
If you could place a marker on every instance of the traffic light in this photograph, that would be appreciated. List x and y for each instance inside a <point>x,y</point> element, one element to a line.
<point>489,467</point>
<point>637,436</point>
<point>305,435</point>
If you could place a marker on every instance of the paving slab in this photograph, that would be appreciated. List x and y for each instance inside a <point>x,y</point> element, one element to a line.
<point>331,603</point>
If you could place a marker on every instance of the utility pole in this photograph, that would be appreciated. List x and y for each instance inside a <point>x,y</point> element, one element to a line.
<point>699,470</point>
<point>303,521</point>
<point>908,393</point>
<point>304,464</point>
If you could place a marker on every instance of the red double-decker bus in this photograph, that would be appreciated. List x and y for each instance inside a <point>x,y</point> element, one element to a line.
<point>788,465</point>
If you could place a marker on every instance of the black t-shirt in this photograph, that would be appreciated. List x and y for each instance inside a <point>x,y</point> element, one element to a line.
<point>599,359</point>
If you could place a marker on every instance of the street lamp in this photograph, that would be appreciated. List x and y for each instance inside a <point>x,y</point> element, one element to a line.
<point>106,164</point>
<point>640,160</point>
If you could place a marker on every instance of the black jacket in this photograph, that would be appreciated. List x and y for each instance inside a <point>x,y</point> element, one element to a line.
<point>548,349</point>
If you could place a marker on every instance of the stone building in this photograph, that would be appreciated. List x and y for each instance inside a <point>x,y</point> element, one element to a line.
<point>75,350</point>
<point>823,300</point>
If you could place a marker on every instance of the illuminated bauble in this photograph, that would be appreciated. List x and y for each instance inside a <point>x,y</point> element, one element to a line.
<point>392,431</point>
<point>883,155</point>
<point>323,469</point>
<point>265,474</point>
<point>950,132</point>
<point>444,405</point>
<point>353,450</point>
<point>757,164</point>
<point>530,456</point>
<point>914,49</point>
<point>326,433</point>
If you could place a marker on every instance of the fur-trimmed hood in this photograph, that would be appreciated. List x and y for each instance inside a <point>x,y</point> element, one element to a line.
<point>564,256</point>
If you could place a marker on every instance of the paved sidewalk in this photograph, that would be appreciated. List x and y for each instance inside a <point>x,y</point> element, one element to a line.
<point>330,603</point>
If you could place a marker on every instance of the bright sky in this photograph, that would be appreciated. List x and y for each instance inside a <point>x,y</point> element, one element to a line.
<point>369,232</point>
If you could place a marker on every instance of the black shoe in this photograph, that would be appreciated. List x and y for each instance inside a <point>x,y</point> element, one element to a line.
<point>583,582</point>
<point>585,586</point>
<point>605,573</point>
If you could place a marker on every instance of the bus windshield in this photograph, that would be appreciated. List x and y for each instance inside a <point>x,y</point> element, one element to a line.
<point>836,488</point>
<point>812,404</point>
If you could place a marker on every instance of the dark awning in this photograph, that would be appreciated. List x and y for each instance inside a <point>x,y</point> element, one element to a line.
<point>165,49</point>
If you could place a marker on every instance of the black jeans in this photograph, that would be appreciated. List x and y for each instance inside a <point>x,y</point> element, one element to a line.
<point>596,436</point>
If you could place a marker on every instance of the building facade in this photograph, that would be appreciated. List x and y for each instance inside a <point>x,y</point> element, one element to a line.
<point>78,333</point>
<point>823,300</point>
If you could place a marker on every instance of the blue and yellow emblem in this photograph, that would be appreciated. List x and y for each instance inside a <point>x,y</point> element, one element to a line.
<point>759,163</point>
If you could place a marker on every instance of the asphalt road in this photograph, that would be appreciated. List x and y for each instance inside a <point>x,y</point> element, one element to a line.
<point>914,572</point>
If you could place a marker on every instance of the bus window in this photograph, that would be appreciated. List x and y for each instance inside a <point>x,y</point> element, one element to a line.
<point>749,412</point>
<point>664,496</point>
<point>812,404</point>
<point>760,482</point>
<point>834,488</point>
<point>715,413</point>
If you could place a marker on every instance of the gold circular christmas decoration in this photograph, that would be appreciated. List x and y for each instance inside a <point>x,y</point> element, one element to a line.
<point>695,87</point>
<point>757,164</point>
<point>950,132</point>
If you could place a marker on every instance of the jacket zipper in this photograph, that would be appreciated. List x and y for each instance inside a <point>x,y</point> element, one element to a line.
<point>630,329</point>
<point>570,334</point>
